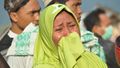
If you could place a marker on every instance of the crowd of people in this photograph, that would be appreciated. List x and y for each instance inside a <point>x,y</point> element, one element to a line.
<point>53,38</point>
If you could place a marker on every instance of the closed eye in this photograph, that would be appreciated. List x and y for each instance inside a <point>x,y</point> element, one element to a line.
<point>71,24</point>
<point>58,29</point>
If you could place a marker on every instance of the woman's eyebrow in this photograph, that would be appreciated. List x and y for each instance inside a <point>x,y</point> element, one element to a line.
<point>60,24</point>
<point>70,22</point>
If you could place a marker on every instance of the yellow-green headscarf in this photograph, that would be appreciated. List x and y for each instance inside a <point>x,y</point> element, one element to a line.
<point>70,52</point>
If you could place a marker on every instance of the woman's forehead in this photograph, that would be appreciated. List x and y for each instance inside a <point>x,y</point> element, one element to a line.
<point>64,17</point>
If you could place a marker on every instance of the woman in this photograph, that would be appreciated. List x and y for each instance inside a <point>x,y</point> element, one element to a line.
<point>90,42</point>
<point>58,44</point>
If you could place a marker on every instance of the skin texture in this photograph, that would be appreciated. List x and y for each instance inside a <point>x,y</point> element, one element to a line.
<point>25,15</point>
<point>74,5</point>
<point>64,24</point>
<point>104,23</point>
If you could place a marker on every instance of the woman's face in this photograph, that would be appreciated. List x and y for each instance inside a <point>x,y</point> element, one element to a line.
<point>64,24</point>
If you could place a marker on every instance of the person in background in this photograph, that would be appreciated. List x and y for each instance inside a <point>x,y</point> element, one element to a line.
<point>88,39</point>
<point>116,27</point>
<point>99,23</point>
<point>116,32</point>
<point>24,15</point>
<point>58,42</point>
<point>117,50</point>
<point>21,14</point>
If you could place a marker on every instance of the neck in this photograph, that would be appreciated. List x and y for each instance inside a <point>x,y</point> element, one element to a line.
<point>16,29</point>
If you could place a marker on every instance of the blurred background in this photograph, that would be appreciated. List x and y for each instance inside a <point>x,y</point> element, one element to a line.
<point>111,6</point>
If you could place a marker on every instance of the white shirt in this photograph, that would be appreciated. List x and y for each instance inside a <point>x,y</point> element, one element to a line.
<point>12,34</point>
<point>15,61</point>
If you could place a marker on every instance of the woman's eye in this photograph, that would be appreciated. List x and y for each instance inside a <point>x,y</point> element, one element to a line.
<point>59,29</point>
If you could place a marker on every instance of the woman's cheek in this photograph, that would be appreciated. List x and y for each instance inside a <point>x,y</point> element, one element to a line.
<point>56,38</point>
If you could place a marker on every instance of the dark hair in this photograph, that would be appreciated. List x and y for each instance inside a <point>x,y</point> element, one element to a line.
<point>58,1</point>
<point>14,5</point>
<point>118,41</point>
<point>93,19</point>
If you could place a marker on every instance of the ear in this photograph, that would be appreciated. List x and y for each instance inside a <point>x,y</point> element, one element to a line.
<point>13,16</point>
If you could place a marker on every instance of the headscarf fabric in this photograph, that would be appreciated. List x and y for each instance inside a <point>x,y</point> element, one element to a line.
<point>69,53</point>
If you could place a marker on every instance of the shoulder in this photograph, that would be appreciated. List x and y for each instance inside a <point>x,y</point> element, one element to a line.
<point>91,60</point>
<point>5,42</point>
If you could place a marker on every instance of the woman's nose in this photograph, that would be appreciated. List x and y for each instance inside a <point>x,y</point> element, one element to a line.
<point>66,32</point>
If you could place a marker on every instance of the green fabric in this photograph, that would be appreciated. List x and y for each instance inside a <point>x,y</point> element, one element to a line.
<point>68,54</point>
<point>91,44</point>
<point>108,33</point>
<point>23,44</point>
<point>23,41</point>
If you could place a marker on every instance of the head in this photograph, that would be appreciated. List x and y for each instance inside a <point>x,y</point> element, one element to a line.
<point>63,27</point>
<point>22,12</point>
<point>97,21</point>
<point>58,23</point>
<point>74,5</point>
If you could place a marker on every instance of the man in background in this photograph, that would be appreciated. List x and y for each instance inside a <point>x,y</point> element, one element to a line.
<point>99,23</point>
<point>22,13</point>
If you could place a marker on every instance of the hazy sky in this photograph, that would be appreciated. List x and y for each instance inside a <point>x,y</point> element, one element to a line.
<point>87,5</point>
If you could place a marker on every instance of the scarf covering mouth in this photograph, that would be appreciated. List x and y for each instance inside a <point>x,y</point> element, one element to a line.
<point>69,53</point>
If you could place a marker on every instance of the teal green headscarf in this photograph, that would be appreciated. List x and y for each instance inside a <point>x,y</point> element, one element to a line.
<point>69,53</point>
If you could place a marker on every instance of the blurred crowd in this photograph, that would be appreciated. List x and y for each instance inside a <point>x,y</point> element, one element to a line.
<point>60,36</point>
